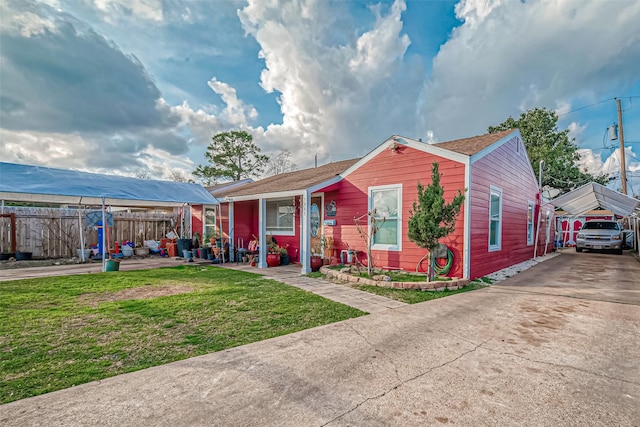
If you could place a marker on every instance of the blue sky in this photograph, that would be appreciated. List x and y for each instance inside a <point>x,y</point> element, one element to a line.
<point>124,86</point>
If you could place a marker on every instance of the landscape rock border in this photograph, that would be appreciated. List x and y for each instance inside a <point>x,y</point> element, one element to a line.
<point>454,284</point>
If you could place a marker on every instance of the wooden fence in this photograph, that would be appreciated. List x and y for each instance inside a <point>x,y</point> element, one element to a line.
<point>53,232</point>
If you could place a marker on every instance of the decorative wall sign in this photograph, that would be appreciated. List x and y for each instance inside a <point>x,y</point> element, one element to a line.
<point>315,220</point>
<point>329,222</point>
<point>331,208</point>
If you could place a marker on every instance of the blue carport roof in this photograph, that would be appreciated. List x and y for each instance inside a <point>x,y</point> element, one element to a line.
<point>37,184</point>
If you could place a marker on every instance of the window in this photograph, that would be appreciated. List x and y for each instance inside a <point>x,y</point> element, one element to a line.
<point>530,214</point>
<point>387,201</point>
<point>495,219</point>
<point>280,219</point>
<point>210,223</point>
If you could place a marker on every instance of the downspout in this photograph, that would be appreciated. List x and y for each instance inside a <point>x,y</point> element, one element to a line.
<point>466,245</point>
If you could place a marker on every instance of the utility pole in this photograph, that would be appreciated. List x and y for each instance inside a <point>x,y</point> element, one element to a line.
<point>623,166</point>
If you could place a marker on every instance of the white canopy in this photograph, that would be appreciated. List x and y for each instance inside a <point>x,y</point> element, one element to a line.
<point>593,195</point>
<point>36,184</point>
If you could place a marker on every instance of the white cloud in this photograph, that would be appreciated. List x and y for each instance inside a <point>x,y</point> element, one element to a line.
<point>342,89</point>
<point>576,130</point>
<point>590,161</point>
<point>146,9</point>
<point>562,107</point>
<point>511,56</point>
<point>236,112</point>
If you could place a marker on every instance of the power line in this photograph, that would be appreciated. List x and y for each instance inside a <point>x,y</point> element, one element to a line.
<point>597,103</point>
<point>585,107</point>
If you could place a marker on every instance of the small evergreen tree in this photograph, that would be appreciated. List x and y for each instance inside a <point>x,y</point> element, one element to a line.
<point>430,218</point>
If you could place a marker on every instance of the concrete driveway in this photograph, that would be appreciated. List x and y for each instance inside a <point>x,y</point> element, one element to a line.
<point>542,348</point>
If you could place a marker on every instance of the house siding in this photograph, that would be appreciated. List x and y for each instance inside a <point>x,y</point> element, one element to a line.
<point>245,221</point>
<point>510,172</point>
<point>405,166</point>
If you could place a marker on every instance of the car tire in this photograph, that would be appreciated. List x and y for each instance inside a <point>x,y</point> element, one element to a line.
<point>578,249</point>
<point>618,251</point>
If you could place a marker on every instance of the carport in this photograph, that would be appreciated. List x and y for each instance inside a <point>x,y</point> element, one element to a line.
<point>593,195</point>
<point>36,184</point>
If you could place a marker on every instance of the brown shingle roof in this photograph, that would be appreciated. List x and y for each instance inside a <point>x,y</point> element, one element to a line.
<point>225,187</point>
<point>473,145</point>
<point>291,181</point>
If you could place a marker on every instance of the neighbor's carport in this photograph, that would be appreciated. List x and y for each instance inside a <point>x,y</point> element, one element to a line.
<point>593,195</point>
<point>36,184</point>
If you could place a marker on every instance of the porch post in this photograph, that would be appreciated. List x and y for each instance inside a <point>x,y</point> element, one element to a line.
<point>262,233</point>
<point>232,246</point>
<point>305,223</point>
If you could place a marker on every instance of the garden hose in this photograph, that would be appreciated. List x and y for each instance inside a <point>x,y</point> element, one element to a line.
<point>440,270</point>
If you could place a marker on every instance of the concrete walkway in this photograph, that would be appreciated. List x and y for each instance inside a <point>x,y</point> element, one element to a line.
<point>355,298</point>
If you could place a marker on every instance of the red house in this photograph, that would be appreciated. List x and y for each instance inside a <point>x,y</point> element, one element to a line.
<point>497,227</point>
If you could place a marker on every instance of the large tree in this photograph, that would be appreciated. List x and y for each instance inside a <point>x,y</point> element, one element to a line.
<point>281,163</point>
<point>232,156</point>
<point>544,141</point>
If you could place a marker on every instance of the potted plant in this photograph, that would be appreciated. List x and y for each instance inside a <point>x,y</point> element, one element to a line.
<point>284,256</point>
<point>316,258</point>
<point>273,255</point>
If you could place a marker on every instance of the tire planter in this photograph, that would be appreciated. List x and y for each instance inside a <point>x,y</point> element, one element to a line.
<point>143,251</point>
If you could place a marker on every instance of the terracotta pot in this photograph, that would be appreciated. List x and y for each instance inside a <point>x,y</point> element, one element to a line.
<point>316,263</point>
<point>273,260</point>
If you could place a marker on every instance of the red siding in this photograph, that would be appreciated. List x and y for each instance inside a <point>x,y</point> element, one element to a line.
<point>509,171</point>
<point>245,221</point>
<point>405,166</point>
<point>197,212</point>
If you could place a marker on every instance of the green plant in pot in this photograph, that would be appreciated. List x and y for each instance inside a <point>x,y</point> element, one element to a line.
<point>284,256</point>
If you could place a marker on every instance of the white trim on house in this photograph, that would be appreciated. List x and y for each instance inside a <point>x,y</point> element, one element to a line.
<point>498,246</point>
<point>399,141</point>
<point>466,240</point>
<point>232,227</point>
<point>305,234</point>
<point>531,206</point>
<point>275,195</point>
<point>292,231</point>
<point>262,233</point>
<point>383,247</point>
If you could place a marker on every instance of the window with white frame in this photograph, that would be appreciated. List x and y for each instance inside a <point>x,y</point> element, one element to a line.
<point>280,217</point>
<point>387,201</point>
<point>495,219</point>
<point>530,214</point>
<point>210,223</point>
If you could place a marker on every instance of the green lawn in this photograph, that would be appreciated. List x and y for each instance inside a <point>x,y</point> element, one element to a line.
<point>58,332</point>
<point>411,296</point>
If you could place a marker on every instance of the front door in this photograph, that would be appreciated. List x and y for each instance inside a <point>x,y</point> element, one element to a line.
<point>316,225</point>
